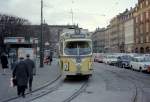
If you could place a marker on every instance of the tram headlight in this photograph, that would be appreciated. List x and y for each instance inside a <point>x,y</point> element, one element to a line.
<point>66,67</point>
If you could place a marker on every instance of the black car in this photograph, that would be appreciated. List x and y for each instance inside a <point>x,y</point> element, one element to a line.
<point>124,61</point>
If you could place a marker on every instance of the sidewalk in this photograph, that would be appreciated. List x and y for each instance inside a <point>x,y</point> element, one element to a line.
<point>43,76</point>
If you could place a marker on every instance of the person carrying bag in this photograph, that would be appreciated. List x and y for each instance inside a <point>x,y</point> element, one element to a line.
<point>13,82</point>
<point>21,74</point>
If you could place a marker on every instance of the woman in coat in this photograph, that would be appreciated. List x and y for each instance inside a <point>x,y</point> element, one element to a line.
<point>4,62</point>
<point>21,74</point>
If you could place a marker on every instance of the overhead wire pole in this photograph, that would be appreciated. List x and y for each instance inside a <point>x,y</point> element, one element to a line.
<point>41,37</point>
<point>72,15</point>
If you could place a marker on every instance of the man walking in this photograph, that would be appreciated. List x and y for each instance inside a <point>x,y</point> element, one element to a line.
<point>4,62</point>
<point>20,72</point>
<point>31,68</point>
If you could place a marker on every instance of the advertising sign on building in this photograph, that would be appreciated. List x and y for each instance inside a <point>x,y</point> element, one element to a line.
<point>14,40</point>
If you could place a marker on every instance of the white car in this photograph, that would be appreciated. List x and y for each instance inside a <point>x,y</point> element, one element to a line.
<point>110,59</point>
<point>140,64</point>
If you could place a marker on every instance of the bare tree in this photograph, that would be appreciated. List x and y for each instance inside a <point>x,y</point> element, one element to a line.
<point>11,25</point>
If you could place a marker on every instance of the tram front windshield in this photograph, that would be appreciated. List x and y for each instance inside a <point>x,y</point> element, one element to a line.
<point>77,48</point>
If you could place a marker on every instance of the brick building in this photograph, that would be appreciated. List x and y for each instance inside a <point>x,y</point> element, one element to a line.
<point>142,27</point>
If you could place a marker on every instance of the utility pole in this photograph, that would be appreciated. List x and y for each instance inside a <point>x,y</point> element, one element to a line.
<point>72,15</point>
<point>41,38</point>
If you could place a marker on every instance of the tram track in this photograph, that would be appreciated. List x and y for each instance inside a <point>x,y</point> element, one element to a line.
<point>139,81</point>
<point>137,88</point>
<point>56,85</point>
<point>137,96</point>
<point>68,98</point>
<point>46,91</point>
<point>77,93</point>
<point>36,90</point>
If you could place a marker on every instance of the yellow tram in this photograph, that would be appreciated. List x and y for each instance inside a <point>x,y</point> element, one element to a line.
<point>75,51</point>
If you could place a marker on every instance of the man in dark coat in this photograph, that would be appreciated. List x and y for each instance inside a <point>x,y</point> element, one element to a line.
<point>21,74</point>
<point>4,62</point>
<point>31,69</point>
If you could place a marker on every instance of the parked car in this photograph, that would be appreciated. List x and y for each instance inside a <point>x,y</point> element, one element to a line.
<point>96,55</point>
<point>124,61</point>
<point>110,59</point>
<point>100,58</point>
<point>140,64</point>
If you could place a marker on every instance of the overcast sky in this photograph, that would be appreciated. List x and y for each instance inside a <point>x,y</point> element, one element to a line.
<point>88,14</point>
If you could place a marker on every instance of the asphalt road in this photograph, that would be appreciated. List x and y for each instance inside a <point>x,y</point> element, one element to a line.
<point>107,84</point>
<point>112,84</point>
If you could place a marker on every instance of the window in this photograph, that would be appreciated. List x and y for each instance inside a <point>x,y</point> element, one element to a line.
<point>77,48</point>
<point>147,2</point>
<point>141,29</point>
<point>147,39</point>
<point>141,40</point>
<point>141,5</point>
<point>136,19</point>
<point>137,31</point>
<point>147,27</point>
<point>141,17</point>
<point>137,40</point>
<point>147,15</point>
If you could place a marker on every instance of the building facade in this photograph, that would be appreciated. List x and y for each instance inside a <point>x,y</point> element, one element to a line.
<point>142,27</point>
<point>117,33</point>
<point>107,39</point>
<point>114,35</point>
<point>98,38</point>
<point>129,31</point>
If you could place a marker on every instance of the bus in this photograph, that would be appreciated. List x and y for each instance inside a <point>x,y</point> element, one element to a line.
<point>75,54</point>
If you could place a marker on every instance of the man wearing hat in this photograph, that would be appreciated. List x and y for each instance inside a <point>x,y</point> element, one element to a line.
<point>31,68</point>
<point>21,73</point>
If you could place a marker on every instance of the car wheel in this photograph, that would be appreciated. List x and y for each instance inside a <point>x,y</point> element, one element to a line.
<point>140,69</point>
<point>123,66</point>
<point>131,68</point>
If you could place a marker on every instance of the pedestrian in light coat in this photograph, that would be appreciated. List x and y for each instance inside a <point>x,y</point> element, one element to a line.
<point>21,74</point>
<point>4,62</point>
<point>31,69</point>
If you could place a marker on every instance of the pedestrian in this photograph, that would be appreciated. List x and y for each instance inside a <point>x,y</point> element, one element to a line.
<point>31,68</point>
<point>47,60</point>
<point>21,74</point>
<point>13,61</point>
<point>4,62</point>
<point>50,59</point>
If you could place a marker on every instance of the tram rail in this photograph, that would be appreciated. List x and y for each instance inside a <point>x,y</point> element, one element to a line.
<point>36,90</point>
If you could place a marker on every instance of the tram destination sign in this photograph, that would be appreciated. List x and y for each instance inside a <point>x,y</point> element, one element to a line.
<point>77,36</point>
